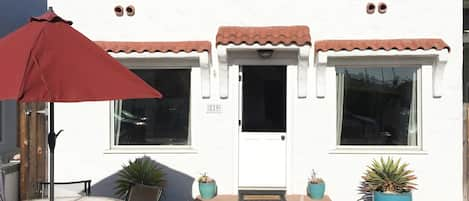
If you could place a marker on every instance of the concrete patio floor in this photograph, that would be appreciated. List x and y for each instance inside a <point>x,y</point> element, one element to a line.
<point>289,198</point>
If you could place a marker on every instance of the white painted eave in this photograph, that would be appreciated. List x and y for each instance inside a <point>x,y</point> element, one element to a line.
<point>435,58</point>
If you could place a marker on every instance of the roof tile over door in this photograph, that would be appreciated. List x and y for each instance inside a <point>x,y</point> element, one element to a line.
<point>274,35</point>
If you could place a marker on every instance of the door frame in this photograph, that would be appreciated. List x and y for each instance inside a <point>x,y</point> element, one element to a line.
<point>296,58</point>
<point>240,119</point>
<point>291,78</point>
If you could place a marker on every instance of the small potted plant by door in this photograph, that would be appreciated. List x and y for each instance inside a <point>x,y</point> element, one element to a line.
<point>389,180</point>
<point>207,187</point>
<point>316,187</point>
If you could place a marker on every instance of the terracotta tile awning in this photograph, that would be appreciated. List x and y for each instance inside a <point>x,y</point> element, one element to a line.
<point>389,44</point>
<point>163,47</point>
<point>275,35</point>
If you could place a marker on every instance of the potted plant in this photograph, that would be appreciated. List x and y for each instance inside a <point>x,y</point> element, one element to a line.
<point>207,187</point>
<point>140,171</point>
<point>316,187</point>
<point>389,180</point>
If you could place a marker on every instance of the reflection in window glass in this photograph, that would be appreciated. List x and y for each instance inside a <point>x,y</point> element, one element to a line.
<point>156,121</point>
<point>377,106</point>
<point>264,99</point>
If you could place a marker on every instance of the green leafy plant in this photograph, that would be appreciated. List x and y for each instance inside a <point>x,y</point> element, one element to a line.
<point>205,178</point>
<point>140,171</point>
<point>314,179</point>
<point>389,176</point>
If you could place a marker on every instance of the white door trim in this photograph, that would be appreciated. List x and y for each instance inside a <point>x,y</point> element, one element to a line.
<point>290,71</point>
<point>229,71</point>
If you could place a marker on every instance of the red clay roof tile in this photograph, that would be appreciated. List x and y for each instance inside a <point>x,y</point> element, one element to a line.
<point>388,44</point>
<point>275,35</point>
<point>140,47</point>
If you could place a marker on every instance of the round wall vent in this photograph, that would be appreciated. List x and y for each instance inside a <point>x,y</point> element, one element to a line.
<point>382,8</point>
<point>130,10</point>
<point>370,8</point>
<point>119,11</point>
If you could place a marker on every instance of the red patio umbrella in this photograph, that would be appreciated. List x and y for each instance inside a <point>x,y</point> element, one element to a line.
<point>48,61</point>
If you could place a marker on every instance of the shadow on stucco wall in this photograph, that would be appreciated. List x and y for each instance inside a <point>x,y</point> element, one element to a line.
<point>16,13</point>
<point>178,185</point>
<point>365,194</point>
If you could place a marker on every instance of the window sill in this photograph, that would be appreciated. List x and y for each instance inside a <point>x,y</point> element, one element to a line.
<point>151,150</point>
<point>379,150</point>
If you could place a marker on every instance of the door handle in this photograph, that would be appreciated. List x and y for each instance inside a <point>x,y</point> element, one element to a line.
<point>282,137</point>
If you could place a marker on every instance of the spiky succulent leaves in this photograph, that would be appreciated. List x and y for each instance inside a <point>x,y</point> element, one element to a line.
<point>389,176</point>
<point>141,171</point>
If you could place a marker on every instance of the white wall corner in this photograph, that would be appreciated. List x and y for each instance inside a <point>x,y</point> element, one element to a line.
<point>223,70</point>
<point>204,62</point>
<point>438,69</point>
<point>321,64</point>
<point>303,64</point>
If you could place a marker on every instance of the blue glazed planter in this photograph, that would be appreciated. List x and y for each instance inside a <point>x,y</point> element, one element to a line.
<point>207,190</point>
<point>380,196</point>
<point>316,191</point>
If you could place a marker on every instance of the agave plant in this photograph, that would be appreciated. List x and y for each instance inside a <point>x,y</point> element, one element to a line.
<point>389,176</point>
<point>140,171</point>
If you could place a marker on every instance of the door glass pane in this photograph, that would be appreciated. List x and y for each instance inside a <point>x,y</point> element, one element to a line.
<point>377,106</point>
<point>156,121</point>
<point>264,98</point>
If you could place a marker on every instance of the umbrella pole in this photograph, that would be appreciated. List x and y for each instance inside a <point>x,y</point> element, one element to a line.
<point>51,138</point>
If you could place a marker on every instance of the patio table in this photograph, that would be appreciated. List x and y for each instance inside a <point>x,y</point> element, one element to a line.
<point>80,198</point>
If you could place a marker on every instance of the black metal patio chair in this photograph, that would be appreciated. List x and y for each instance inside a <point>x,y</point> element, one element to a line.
<point>44,187</point>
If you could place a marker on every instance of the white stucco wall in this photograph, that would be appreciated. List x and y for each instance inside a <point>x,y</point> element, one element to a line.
<point>83,149</point>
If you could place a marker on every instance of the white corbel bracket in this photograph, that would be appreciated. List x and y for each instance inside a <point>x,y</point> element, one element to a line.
<point>171,60</point>
<point>223,71</point>
<point>437,59</point>
<point>303,65</point>
<point>438,69</point>
<point>283,55</point>
<point>204,63</point>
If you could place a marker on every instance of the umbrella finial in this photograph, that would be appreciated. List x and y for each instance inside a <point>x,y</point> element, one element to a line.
<point>50,9</point>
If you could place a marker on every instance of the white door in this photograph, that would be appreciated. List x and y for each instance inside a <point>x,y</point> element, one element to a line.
<point>262,125</point>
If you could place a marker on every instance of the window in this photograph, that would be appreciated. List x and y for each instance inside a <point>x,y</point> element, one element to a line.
<point>156,121</point>
<point>377,106</point>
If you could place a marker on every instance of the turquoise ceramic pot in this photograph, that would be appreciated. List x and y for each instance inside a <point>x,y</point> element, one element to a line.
<point>380,196</point>
<point>316,191</point>
<point>207,190</point>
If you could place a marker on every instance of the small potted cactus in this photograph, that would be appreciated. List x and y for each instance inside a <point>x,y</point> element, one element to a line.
<point>316,187</point>
<point>207,187</point>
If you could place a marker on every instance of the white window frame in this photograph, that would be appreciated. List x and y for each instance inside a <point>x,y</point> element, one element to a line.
<point>198,63</point>
<point>427,59</point>
<point>417,147</point>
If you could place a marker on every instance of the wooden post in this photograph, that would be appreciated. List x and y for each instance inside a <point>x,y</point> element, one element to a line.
<point>465,149</point>
<point>32,133</point>
<point>23,139</point>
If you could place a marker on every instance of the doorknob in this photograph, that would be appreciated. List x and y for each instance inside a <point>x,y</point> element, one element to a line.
<point>282,137</point>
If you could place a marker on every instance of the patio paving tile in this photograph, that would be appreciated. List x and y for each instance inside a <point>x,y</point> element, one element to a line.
<point>289,198</point>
